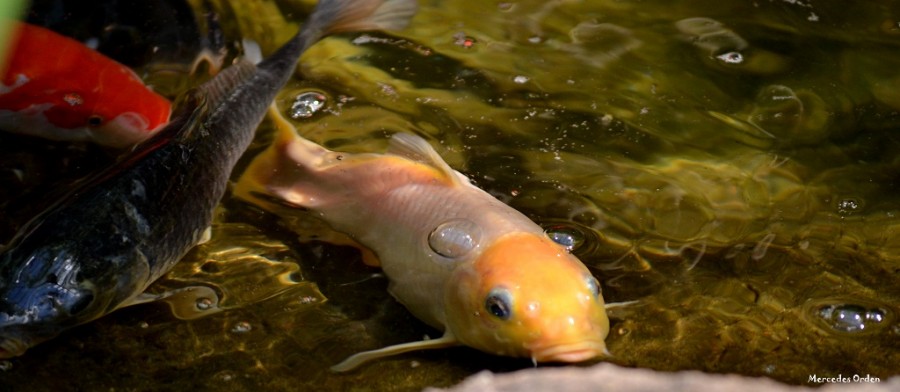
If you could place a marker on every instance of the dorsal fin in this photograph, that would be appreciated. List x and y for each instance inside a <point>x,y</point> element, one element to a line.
<point>415,148</point>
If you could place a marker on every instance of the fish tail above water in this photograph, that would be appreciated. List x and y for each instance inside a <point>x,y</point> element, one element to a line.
<point>329,17</point>
<point>337,16</point>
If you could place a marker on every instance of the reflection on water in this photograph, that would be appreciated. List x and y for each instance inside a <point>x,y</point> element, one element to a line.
<point>729,165</point>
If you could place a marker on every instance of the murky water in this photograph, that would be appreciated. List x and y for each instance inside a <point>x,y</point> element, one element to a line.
<point>729,165</point>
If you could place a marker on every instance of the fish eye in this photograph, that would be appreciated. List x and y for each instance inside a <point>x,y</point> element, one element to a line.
<point>593,285</point>
<point>499,303</point>
<point>95,121</point>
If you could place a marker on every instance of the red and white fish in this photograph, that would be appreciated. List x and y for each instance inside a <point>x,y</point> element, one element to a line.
<point>57,88</point>
<point>457,258</point>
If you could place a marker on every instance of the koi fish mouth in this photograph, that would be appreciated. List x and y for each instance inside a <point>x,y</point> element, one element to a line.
<point>571,352</point>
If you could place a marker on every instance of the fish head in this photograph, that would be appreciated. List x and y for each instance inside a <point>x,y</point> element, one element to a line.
<point>527,296</point>
<point>38,315</point>
<point>72,92</point>
<point>39,302</point>
<point>117,118</point>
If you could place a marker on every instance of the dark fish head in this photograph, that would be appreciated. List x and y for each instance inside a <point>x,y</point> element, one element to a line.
<point>32,315</point>
<point>39,300</point>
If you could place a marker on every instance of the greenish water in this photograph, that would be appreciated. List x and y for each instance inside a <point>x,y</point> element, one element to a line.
<point>729,165</point>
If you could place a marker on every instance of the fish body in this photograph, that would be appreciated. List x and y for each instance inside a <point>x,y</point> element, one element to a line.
<point>456,257</point>
<point>57,88</point>
<point>100,248</point>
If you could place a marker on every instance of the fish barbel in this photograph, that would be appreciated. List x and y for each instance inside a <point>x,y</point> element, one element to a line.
<point>456,257</point>
<point>98,249</point>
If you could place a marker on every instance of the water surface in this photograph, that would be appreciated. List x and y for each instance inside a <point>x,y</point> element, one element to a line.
<point>729,165</point>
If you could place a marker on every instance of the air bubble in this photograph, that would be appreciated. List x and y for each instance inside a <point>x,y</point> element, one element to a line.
<point>567,236</point>
<point>454,238</point>
<point>848,206</point>
<point>851,318</point>
<point>307,104</point>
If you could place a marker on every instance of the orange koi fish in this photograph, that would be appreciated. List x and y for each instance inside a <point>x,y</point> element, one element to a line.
<point>57,88</point>
<point>456,257</point>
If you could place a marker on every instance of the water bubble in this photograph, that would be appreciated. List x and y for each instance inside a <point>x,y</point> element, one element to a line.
<point>5,366</point>
<point>454,238</point>
<point>848,206</point>
<point>241,327</point>
<point>204,303</point>
<point>306,104</point>
<point>567,236</point>
<point>731,57</point>
<point>520,79</point>
<point>851,318</point>
<point>711,35</point>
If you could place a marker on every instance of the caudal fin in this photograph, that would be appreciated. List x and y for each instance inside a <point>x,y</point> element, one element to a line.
<point>336,16</point>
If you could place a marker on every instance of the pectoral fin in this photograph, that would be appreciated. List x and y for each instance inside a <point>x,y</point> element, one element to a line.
<point>206,236</point>
<point>448,340</point>
<point>186,303</point>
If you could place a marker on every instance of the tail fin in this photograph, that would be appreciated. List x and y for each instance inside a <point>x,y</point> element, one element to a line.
<point>336,16</point>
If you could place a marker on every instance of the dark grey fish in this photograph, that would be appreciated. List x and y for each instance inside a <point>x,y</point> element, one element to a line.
<point>98,249</point>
